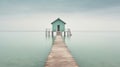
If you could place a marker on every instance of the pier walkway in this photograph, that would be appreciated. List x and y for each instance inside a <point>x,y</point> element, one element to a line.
<point>60,55</point>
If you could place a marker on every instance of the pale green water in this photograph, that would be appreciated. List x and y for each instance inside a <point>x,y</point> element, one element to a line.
<point>95,49</point>
<point>23,49</point>
<point>30,49</point>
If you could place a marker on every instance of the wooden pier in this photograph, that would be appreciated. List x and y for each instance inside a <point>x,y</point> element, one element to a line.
<point>60,55</point>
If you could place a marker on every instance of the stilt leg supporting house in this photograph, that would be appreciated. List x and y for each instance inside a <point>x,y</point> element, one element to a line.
<point>52,33</point>
<point>47,32</point>
<point>64,33</point>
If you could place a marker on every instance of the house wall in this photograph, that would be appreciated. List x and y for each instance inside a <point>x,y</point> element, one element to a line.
<point>55,24</point>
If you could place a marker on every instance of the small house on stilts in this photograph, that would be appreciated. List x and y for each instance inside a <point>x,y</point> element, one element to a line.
<point>58,26</point>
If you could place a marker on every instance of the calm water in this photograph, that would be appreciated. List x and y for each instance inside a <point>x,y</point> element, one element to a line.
<point>95,49</point>
<point>23,49</point>
<point>30,49</point>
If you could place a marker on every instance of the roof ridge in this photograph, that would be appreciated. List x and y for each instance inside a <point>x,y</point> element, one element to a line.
<point>58,19</point>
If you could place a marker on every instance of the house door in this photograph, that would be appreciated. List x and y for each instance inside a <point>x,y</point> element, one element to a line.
<point>58,27</point>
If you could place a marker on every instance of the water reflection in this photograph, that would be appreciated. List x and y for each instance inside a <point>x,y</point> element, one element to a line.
<point>23,49</point>
<point>95,49</point>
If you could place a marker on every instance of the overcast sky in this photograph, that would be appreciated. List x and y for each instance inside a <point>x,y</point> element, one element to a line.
<point>82,15</point>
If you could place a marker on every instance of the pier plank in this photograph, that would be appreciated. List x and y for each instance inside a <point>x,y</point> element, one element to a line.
<point>60,55</point>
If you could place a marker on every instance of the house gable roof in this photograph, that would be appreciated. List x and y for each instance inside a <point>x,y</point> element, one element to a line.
<point>58,19</point>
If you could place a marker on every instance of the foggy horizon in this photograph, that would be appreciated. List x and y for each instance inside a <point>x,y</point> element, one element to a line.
<point>80,15</point>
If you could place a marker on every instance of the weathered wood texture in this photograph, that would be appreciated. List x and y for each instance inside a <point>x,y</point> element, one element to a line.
<point>60,55</point>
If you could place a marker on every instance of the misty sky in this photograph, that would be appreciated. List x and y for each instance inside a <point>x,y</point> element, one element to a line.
<point>82,15</point>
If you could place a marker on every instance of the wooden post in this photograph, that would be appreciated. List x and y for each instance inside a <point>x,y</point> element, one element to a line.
<point>52,33</point>
<point>46,32</point>
<point>67,33</point>
<point>64,33</point>
<point>49,32</point>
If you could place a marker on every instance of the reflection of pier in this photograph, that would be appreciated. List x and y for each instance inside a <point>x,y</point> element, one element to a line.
<point>60,55</point>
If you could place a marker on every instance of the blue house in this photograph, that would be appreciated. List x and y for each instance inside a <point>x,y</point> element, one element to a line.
<point>58,26</point>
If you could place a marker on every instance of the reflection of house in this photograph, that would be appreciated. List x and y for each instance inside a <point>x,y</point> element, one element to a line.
<point>58,25</point>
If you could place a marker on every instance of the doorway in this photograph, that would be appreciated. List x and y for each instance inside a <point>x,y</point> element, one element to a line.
<point>58,27</point>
